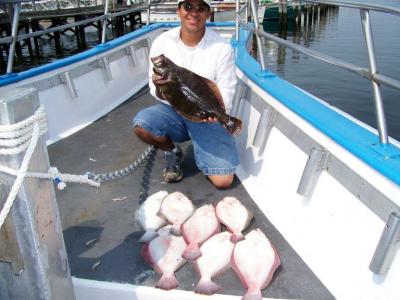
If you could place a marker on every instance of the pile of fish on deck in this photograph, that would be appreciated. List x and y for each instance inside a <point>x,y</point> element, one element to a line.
<point>176,232</point>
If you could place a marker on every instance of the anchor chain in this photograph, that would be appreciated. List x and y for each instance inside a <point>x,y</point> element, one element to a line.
<point>144,187</point>
<point>124,171</point>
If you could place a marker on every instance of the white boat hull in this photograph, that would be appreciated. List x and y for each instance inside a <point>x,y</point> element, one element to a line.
<point>335,231</point>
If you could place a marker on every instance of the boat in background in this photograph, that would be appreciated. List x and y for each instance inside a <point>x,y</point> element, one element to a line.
<point>276,9</point>
<point>322,185</point>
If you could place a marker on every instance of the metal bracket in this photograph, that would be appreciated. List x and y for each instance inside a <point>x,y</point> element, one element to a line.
<point>9,250</point>
<point>240,99</point>
<point>315,164</point>
<point>131,52</point>
<point>65,78</point>
<point>105,64</point>
<point>388,245</point>
<point>146,51</point>
<point>265,124</point>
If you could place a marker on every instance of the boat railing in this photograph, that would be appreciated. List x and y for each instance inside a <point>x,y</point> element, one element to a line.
<point>15,37</point>
<point>150,6</point>
<point>370,73</point>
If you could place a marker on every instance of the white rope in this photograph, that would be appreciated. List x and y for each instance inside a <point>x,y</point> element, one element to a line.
<point>64,177</point>
<point>23,136</point>
<point>20,176</point>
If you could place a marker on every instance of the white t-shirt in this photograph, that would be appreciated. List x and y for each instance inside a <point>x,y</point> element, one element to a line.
<point>212,58</point>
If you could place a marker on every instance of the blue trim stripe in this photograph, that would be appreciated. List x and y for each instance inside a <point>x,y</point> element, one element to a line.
<point>353,137</point>
<point>101,48</point>
<point>356,139</point>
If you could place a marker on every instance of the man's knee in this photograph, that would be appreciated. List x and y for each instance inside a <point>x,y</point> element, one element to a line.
<point>221,181</point>
<point>140,132</point>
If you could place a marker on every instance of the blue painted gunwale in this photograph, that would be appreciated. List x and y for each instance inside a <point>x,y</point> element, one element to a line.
<point>99,49</point>
<point>356,139</point>
<point>353,137</point>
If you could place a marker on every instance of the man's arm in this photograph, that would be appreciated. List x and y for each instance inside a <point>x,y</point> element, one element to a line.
<point>226,76</point>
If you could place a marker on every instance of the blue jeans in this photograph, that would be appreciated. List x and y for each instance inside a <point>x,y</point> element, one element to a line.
<point>215,149</point>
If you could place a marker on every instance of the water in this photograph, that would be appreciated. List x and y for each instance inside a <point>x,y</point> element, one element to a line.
<point>47,49</point>
<point>337,33</point>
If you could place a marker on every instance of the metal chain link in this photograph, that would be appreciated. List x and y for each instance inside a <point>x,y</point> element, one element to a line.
<point>145,184</point>
<point>125,171</point>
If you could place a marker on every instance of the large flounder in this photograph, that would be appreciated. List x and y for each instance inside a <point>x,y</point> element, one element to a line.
<point>192,96</point>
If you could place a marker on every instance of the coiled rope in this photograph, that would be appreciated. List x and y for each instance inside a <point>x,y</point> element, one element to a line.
<point>23,136</point>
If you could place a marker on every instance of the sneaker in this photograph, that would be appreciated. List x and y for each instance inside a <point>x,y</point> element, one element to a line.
<point>173,171</point>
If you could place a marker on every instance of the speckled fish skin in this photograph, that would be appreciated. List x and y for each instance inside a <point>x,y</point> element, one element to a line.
<point>215,259</point>
<point>176,208</point>
<point>146,216</point>
<point>164,255</point>
<point>197,229</point>
<point>255,260</point>
<point>193,96</point>
<point>234,215</point>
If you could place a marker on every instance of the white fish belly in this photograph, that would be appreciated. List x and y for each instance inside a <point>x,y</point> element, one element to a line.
<point>216,254</point>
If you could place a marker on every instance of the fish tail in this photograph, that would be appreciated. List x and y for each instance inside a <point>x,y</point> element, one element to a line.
<point>167,282</point>
<point>148,236</point>
<point>192,252</point>
<point>207,287</point>
<point>236,237</point>
<point>233,125</point>
<point>252,295</point>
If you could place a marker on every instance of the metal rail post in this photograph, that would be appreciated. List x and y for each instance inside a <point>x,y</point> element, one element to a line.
<point>103,36</point>
<point>237,20</point>
<point>148,12</point>
<point>260,44</point>
<point>14,34</point>
<point>33,258</point>
<point>379,110</point>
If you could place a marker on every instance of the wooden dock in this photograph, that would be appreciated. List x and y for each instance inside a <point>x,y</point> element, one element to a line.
<point>64,13</point>
<point>46,21</point>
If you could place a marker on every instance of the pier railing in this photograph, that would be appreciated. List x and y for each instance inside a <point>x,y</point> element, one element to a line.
<point>15,9</point>
<point>370,73</point>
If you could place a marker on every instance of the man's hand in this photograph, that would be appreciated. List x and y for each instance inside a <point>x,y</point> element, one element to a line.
<point>210,120</point>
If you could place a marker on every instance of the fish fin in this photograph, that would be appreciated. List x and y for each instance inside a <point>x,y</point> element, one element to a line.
<point>167,282</point>
<point>148,236</point>
<point>189,116</point>
<point>252,295</point>
<point>275,265</point>
<point>207,287</point>
<point>192,252</point>
<point>236,237</point>
<point>144,251</point>
<point>237,271</point>
<point>159,94</point>
<point>233,125</point>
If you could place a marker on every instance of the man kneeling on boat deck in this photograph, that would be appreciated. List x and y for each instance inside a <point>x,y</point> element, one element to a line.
<point>204,52</point>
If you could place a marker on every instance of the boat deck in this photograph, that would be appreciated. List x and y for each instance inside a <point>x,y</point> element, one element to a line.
<point>105,216</point>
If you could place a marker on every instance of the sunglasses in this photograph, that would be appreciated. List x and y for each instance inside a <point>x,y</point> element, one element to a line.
<point>189,7</point>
